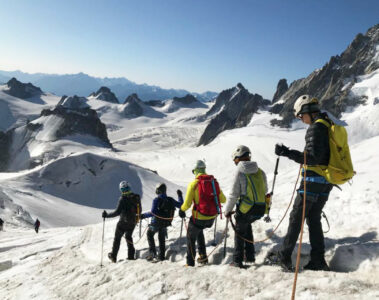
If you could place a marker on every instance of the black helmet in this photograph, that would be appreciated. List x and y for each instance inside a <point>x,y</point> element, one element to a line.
<point>160,189</point>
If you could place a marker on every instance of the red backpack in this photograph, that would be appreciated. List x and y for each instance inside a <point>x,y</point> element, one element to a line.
<point>209,192</point>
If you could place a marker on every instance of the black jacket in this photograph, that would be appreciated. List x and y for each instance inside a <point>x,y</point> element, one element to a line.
<point>316,145</point>
<point>128,208</point>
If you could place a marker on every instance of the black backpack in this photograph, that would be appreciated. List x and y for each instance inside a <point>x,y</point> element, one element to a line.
<point>132,208</point>
<point>166,210</point>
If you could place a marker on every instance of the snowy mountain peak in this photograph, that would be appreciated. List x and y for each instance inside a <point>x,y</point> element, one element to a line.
<point>73,102</point>
<point>104,93</point>
<point>21,90</point>
<point>240,86</point>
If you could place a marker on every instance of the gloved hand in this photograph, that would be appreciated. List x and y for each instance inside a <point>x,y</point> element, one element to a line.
<point>228,214</point>
<point>182,214</point>
<point>267,219</point>
<point>104,214</point>
<point>142,216</point>
<point>281,150</point>
<point>180,194</point>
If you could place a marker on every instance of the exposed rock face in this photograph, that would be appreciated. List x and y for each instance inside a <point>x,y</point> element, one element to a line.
<point>78,118</point>
<point>234,108</point>
<point>332,83</point>
<point>133,106</point>
<point>187,99</point>
<point>22,90</point>
<point>156,103</point>
<point>105,94</point>
<point>5,142</point>
<point>280,90</point>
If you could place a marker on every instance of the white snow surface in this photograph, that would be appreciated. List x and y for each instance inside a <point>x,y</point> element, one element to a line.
<point>63,261</point>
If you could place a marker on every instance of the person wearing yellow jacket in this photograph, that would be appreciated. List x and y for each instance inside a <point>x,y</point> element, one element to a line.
<point>199,221</point>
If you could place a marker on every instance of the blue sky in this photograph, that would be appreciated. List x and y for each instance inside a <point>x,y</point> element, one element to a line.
<point>194,45</point>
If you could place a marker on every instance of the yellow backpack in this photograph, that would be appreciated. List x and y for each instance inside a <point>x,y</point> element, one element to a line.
<point>340,168</point>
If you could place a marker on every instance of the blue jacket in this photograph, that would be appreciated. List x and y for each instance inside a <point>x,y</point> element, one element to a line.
<point>155,210</point>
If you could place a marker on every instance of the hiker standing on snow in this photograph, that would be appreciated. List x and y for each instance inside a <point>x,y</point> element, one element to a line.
<point>129,210</point>
<point>206,196</point>
<point>317,188</point>
<point>37,223</point>
<point>162,213</point>
<point>249,193</point>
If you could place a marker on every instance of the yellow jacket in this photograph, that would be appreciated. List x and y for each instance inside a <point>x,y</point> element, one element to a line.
<point>192,195</point>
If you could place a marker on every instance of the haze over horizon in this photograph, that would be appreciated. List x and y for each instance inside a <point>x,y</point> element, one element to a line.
<point>197,46</point>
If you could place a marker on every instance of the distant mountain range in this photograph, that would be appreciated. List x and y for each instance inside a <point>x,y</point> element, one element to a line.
<point>83,85</point>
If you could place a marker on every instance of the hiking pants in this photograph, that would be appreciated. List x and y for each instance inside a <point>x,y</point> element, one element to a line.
<point>121,229</point>
<point>313,208</point>
<point>244,230</point>
<point>195,233</point>
<point>161,238</point>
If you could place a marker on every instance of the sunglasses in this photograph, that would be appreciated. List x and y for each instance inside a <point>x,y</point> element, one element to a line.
<point>299,116</point>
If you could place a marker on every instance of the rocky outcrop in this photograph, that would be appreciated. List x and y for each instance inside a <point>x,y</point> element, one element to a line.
<point>105,94</point>
<point>281,88</point>
<point>5,142</point>
<point>133,106</point>
<point>186,100</point>
<point>78,118</point>
<point>332,83</point>
<point>22,90</point>
<point>156,103</point>
<point>234,108</point>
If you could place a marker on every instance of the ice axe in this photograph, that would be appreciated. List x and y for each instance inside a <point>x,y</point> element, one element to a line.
<point>267,218</point>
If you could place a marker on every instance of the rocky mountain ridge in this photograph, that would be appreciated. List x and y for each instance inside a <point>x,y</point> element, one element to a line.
<point>332,83</point>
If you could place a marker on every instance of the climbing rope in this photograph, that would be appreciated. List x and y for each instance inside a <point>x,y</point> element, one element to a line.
<point>269,236</point>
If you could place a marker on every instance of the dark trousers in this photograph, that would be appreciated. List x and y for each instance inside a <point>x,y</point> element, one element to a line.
<point>121,229</point>
<point>195,233</point>
<point>161,238</point>
<point>313,207</point>
<point>244,231</point>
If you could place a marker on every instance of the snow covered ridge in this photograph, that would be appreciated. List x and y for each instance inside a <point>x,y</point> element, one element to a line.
<point>38,141</point>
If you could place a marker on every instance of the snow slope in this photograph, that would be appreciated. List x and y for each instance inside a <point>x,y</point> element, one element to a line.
<point>15,111</point>
<point>63,263</point>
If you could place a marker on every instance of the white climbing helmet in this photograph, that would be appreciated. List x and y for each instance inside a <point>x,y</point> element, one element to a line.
<point>306,104</point>
<point>240,151</point>
<point>124,186</point>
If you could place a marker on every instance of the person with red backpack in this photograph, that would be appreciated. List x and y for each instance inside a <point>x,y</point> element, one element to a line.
<point>206,196</point>
<point>249,194</point>
<point>129,210</point>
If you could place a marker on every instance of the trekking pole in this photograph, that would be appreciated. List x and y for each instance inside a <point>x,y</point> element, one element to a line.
<point>102,244</point>
<point>226,236</point>
<point>214,237</point>
<point>180,237</point>
<point>267,218</point>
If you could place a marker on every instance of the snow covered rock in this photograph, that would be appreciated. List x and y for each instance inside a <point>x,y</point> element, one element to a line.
<point>134,107</point>
<point>187,101</point>
<point>105,94</point>
<point>22,90</point>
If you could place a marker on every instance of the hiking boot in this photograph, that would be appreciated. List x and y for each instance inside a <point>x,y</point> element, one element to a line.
<point>112,257</point>
<point>150,257</point>
<point>317,265</point>
<point>236,265</point>
<point>203,259</point>
<point>189,265</point>
<point>162,257</point>
<point>131,258</point>
<point>276,258</point>
<point>250,259</point>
